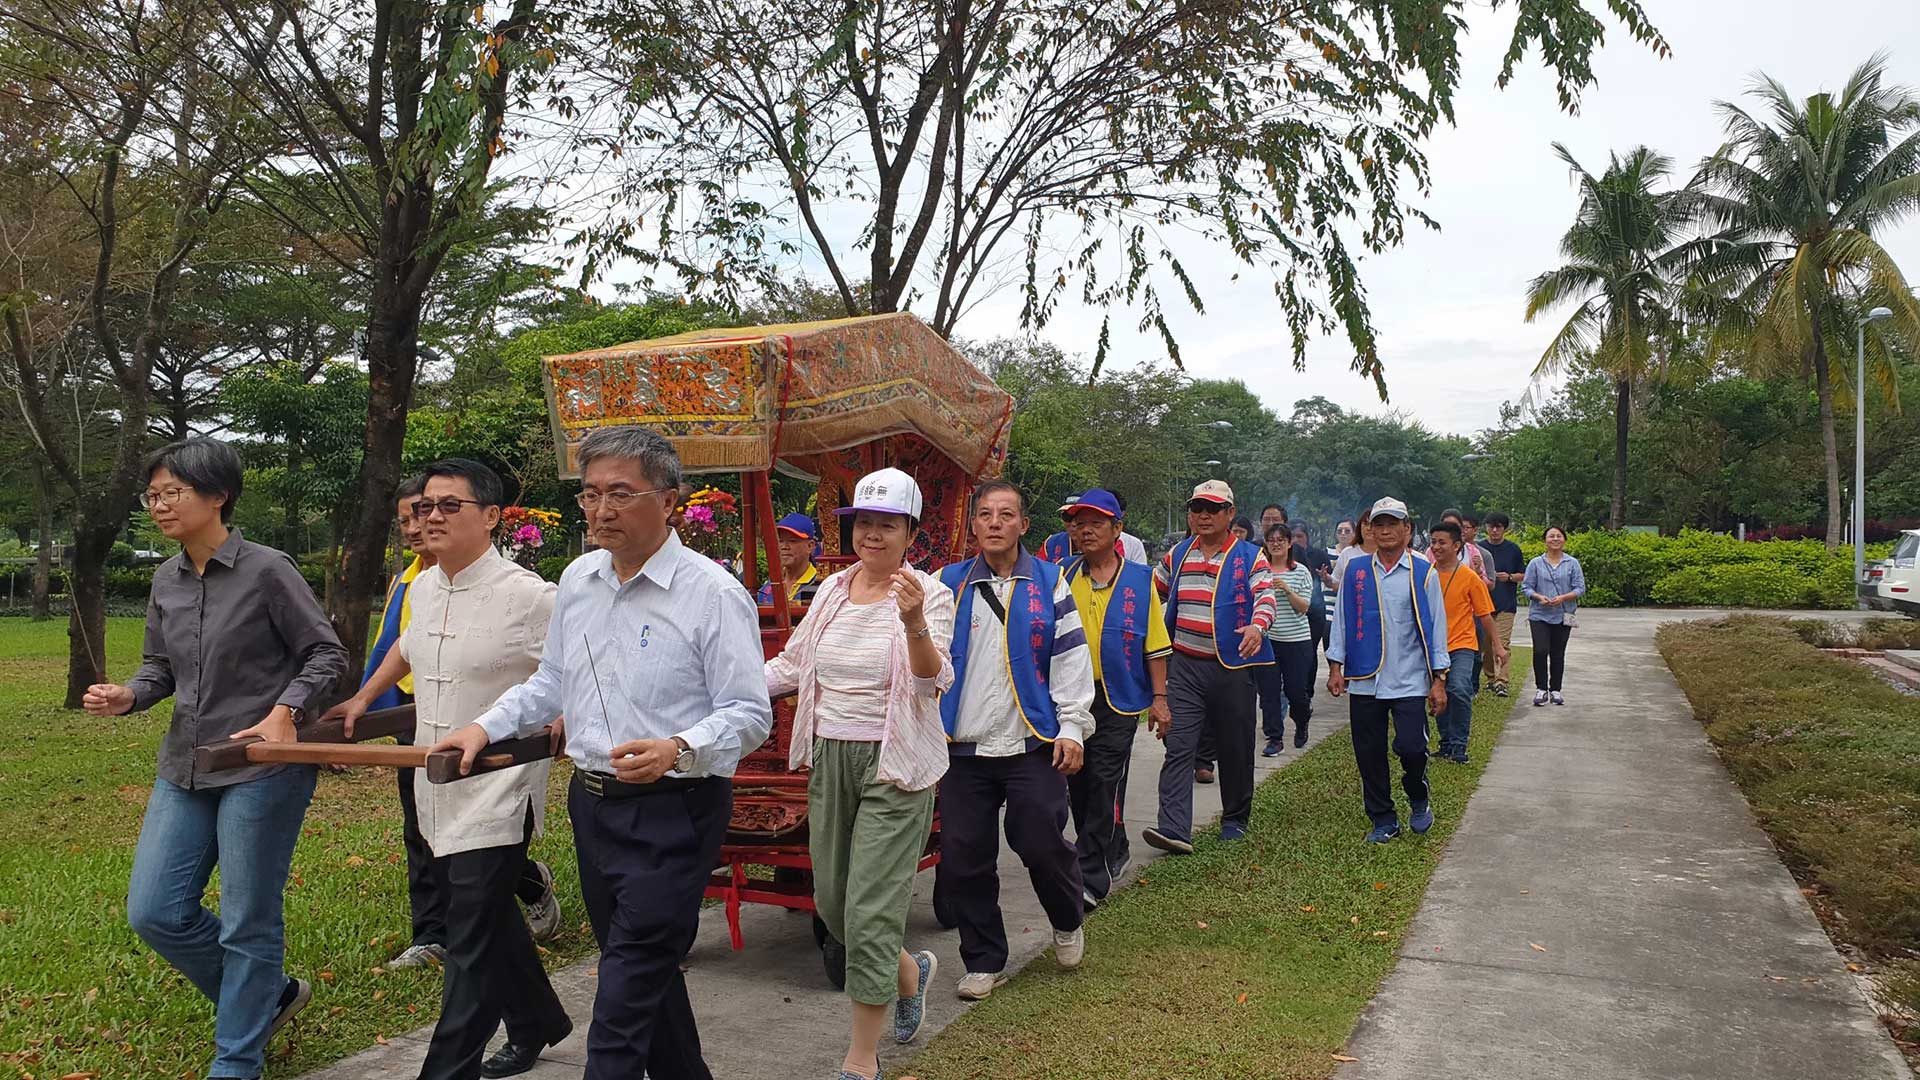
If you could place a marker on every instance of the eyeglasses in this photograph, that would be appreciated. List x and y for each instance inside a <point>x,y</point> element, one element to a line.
<point>616,500</point>
<point>168,497</point>
<point>448,506</point>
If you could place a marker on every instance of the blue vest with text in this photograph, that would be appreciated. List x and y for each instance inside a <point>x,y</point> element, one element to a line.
<point>1232,606</point>
<point>1057,549</point>
<point>1029,640</point>
<point>1359,599</point>
<point>1123,637</point>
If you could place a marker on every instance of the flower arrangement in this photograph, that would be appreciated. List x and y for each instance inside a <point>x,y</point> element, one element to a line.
<point>523,532</point>
<point>710,524</point>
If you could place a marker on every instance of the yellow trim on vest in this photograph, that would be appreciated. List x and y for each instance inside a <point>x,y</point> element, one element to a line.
<point>1413,597</point>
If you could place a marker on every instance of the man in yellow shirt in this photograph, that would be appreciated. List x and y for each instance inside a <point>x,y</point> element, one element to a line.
<point>1120,611</point>
<point>1469,620</point>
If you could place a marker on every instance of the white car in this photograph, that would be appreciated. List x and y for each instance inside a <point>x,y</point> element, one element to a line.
<point>1893,583</point>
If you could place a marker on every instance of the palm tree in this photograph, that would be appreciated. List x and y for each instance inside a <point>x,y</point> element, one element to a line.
<point>1805,190</point>
<point>1626,264</point>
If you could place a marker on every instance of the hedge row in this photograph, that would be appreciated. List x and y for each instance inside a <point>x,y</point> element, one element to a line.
<point>1703,569</point>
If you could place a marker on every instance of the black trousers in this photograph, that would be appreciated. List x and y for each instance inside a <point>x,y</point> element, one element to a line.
<point>1549,653</point>
<point>1368,719</point>
<point>1290,678</point>
<point>424,896</point>
<point>493,971</point>
<point>1035,795</point>
<point>644,863</point>
<point>1097,795</point>
<point>1206,696</point>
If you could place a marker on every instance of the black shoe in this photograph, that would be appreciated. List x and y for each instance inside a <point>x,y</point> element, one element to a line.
<point>1299,737</point>
<point>1460,757</point>
<point>510,1060</point>
<point>1203,776</point>
<point>293,997</point>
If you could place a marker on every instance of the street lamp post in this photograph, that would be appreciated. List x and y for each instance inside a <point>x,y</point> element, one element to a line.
<point>1860,442</point>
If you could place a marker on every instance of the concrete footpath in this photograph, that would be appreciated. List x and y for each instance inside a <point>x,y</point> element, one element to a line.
<point>767,1012</point>
<point>1608,909</point>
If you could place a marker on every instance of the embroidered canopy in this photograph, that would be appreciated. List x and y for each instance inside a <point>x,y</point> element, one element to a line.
<point>741,398</point>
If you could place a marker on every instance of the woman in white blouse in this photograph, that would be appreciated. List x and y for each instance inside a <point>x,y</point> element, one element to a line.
<point>869,662</point>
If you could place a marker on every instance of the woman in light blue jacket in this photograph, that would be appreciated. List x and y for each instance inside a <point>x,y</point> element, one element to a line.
<point>1554,583</point>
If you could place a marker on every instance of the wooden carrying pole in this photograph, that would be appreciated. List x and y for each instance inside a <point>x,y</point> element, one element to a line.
<point>325,742</point>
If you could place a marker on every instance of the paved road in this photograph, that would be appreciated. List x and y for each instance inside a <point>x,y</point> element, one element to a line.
<point>767,1012</point>
<point>1608,909</point>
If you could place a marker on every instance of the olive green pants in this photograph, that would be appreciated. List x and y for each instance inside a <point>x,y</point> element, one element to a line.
<point>866,837</point>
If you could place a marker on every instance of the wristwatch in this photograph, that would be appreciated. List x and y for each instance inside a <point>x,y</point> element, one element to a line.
<point>683,761</point>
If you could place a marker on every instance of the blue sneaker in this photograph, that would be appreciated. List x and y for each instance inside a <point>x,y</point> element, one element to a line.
<point>1232,830</point>
<point>910,1012</point>
<point>1422,819</point>
<point>1384,833</point>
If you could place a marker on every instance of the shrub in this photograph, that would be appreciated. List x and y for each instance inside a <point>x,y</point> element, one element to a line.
<point>551,568</point>
<point>1699,568</point>
<point>121,555</point>
<point>129,584</point>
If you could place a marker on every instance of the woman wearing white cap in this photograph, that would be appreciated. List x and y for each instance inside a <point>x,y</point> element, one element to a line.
<point>869,662</point>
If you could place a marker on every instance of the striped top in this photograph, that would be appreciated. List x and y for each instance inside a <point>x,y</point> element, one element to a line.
<point>1288,624</point>
<point>854,663</point>
<point>1193,597</point>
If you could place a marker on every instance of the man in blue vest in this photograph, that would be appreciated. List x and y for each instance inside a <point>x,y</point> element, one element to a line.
<point>1122,615</point>
<point>1220,601</point>
<point>1017,722</point>
<point>1389,647</point>
<point>1061,548</point>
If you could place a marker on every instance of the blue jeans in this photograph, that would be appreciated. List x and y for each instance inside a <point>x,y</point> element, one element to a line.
<point>234,958</point>
<point>1456,724</point>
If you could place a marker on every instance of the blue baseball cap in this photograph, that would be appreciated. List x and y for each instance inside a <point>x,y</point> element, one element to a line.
<point>799,525</point>
<point>1094,499</point>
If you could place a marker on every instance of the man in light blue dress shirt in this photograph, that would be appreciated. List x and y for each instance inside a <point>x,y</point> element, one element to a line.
<point>654,657</point>
<point>1388,646</point>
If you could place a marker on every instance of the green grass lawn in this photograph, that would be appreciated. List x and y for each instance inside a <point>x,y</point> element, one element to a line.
<point>79,993</point>
<point>1828,755</point>
<point>1243,960</point>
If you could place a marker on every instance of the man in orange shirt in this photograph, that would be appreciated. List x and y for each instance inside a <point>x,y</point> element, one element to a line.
<point>1469,616</point>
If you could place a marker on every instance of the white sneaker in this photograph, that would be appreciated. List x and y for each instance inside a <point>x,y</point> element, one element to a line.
<point>1557,699</point>
<point>977,985</point>
<point>1539,698</point>
<point>419,956</point>
<point>1070,947</point>
<point>543,915</point>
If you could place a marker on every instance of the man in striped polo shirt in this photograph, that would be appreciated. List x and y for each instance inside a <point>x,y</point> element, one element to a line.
<point>1219,594</point>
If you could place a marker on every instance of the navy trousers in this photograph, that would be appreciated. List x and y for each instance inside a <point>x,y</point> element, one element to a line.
<point>1035,795</point>
<point>644,863</point>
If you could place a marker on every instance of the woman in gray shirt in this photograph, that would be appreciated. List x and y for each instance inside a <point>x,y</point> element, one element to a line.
<point>235,637</point>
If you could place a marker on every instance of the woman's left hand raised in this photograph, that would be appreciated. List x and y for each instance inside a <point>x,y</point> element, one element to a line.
<point>909,597</point>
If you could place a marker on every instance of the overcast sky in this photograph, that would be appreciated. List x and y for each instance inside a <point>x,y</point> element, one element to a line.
<point>1448,306</point>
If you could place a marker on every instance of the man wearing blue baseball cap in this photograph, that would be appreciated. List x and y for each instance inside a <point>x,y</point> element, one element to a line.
<point>1128,641</point>
<point>799,541</point>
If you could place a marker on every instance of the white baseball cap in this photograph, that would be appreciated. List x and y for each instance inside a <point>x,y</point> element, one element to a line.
<point>1389,506</point>
<point>888,491</point>
<point>1214,491</point>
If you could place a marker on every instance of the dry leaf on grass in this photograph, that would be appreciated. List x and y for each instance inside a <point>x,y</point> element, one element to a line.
<point>1202,924</point>
<point>1241,1000</point>
<point>1536,946</point>
<point>1343,1057</point>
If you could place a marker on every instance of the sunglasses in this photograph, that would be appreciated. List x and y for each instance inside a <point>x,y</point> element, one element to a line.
<point>1202,506</point>
<point>448,506</point>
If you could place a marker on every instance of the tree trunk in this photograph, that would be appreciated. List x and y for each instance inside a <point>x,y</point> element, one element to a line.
<point>392,361</point>
<point>43,530</point>
<point>87,621</point>
<point>1823,388</point>
<point>1622,412</point>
